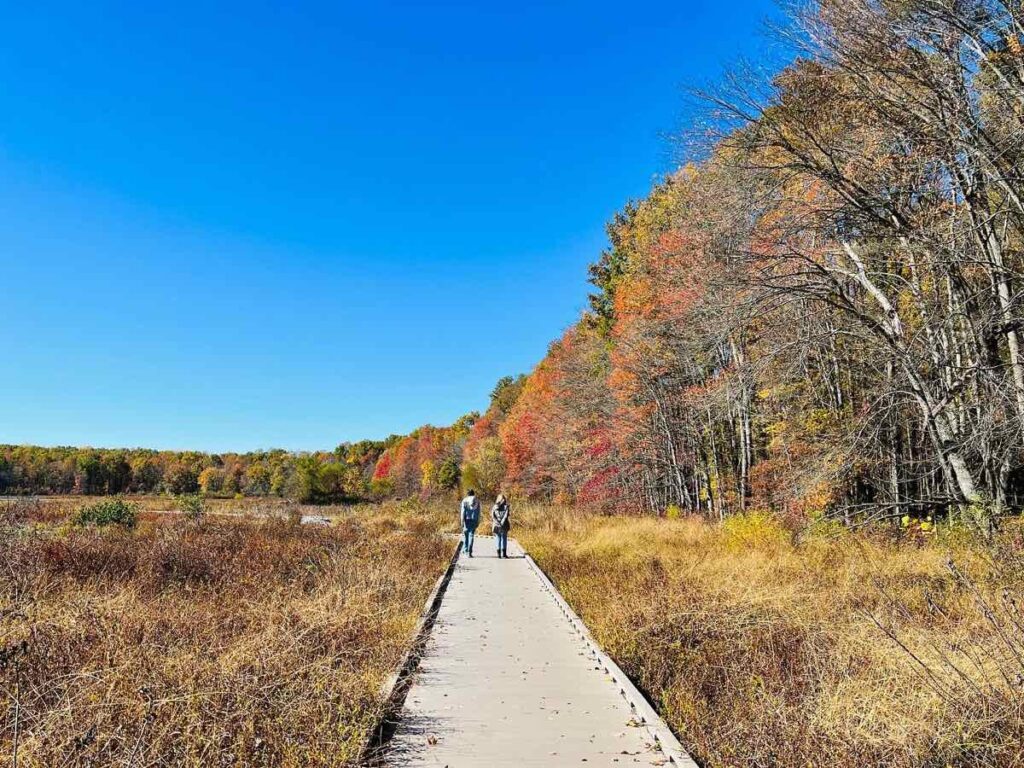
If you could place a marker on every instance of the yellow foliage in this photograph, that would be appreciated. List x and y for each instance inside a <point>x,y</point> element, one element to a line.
<point>426,474</point>
<point>817,420</point>
<point>753,530</point>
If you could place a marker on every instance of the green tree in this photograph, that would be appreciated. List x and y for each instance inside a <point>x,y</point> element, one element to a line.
<point>610,268</point>
<point>447,474</point>
<point>333,480</point>
<point>505,394</point>
<point>307,478</point>
<point>90,475</point>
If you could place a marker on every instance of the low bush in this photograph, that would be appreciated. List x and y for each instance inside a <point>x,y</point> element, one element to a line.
<point>192,505</point>
<point>105,512</point>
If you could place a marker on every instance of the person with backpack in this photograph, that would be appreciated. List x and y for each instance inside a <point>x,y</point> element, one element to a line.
<point>501,521</point>
<point>469,514</point>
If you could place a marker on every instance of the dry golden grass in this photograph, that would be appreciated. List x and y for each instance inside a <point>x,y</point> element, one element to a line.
<point>841,650</point>
<point>223,642</point>
<point>252,641</point>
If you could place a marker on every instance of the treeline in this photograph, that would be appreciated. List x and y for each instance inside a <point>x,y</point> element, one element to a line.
<point>340,475</point>
<point>821,317</point>
<point>426,462</point>
<point>824,315</point>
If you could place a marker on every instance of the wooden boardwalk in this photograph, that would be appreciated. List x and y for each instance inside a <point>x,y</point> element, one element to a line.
<point>507,679</point>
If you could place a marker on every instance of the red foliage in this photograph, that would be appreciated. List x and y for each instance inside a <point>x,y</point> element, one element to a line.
<point>383,469</point>
<point>601,489</point>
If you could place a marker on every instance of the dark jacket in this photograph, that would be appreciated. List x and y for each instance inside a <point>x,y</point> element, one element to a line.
<point>470,512</point>
<point>501,519</point>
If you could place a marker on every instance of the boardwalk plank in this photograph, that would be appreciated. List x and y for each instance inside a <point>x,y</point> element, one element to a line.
<point>506,681</point>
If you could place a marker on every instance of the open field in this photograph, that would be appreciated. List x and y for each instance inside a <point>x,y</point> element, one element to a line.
<point>762,652</point>
<point>214,642</point>
<point>246,639</point>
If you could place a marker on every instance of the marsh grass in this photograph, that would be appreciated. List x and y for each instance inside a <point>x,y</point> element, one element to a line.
<point>214,642</point>
<point>243,638</point>
<point>761,648</point>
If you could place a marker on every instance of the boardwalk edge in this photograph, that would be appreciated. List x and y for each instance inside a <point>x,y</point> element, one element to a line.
<point>396,687</point>
<point>638,703</point>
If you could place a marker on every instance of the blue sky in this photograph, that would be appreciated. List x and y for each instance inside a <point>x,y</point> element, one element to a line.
<point>228,226</point>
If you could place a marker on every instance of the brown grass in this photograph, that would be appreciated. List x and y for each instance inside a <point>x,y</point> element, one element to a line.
<point>842,650</point>
<point>251,641</point>
<point>227,642</point>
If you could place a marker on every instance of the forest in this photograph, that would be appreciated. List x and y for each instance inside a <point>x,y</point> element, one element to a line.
<point>819,314</point>
<point>822,316</point>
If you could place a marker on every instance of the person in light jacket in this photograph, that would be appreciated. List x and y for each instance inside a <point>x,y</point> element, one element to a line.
<point>501,521</point>
<point>469,514</point>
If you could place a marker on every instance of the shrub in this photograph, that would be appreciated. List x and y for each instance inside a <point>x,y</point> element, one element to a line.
<point>108,512</point>
<point>381,488</point>
<point>192,505</point>
<point>447,474</point>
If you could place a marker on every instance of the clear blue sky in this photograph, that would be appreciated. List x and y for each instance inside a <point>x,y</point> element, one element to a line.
<point>242,225</point>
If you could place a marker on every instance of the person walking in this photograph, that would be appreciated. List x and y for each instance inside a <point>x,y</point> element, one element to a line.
<point>469,513</point>
<point>501,521</point>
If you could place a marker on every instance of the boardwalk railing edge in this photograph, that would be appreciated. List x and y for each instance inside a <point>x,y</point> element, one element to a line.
<point>642,710</point>
<point>396,687</point>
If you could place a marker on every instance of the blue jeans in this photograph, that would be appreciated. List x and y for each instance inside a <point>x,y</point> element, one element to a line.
<point>502,537</point>
<point>468,534</point>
